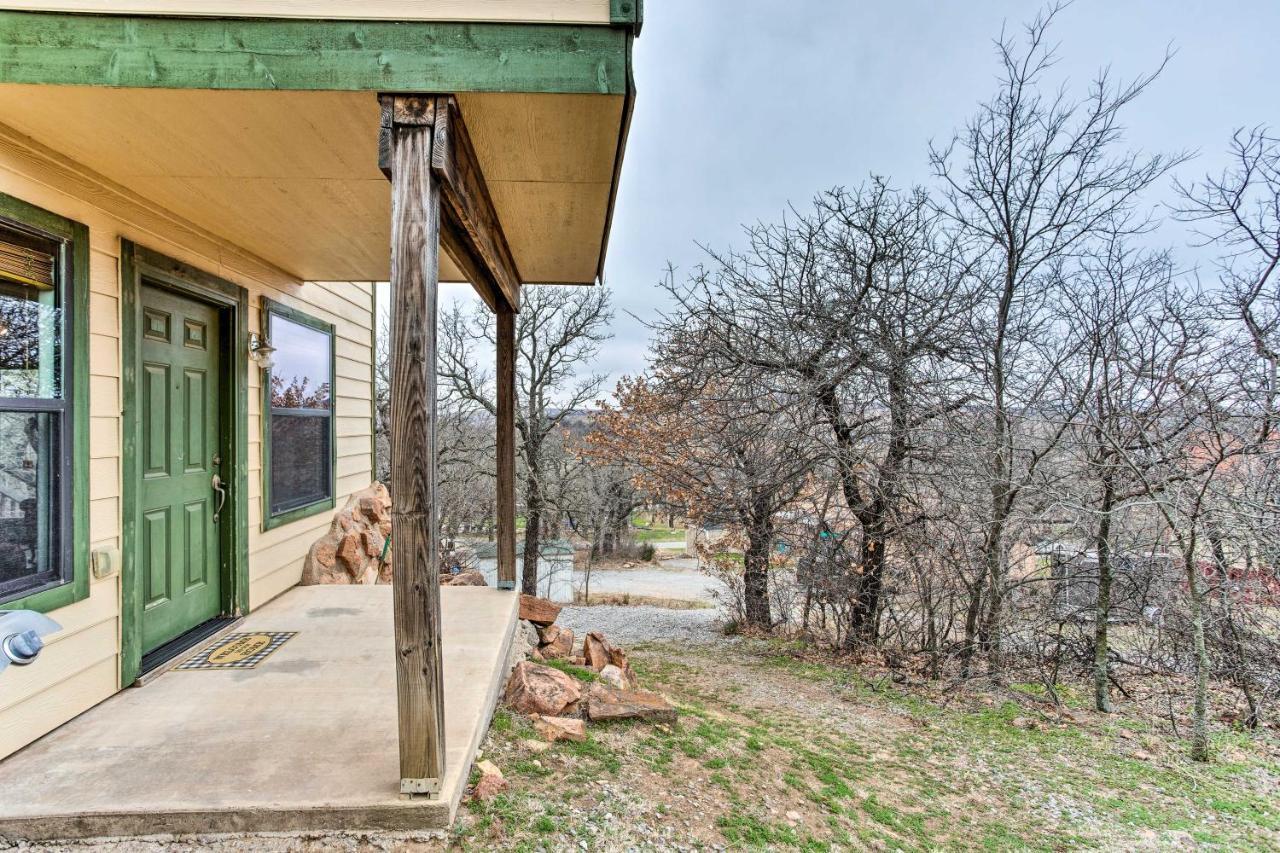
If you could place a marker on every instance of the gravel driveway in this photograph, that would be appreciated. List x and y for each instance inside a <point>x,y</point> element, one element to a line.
<point>639,623</point>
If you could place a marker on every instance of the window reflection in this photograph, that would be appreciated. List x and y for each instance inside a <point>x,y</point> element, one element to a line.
<point>300,377</point>
<point>300,427</point>
<point>29,485</point>
<point>30,336</point>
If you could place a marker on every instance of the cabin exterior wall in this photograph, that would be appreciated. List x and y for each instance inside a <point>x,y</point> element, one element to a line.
<point>81,665</point>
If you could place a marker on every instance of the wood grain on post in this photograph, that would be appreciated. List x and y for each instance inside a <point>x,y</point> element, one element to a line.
<point>506,378</point>
<point>415,234</point>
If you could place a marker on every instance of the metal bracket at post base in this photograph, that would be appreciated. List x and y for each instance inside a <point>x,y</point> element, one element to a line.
<point>506,584</point>
<point>430,787</point>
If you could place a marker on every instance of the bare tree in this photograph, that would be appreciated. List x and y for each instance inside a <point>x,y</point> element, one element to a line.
<point>1029,182</point>
<point>707,443</point>
<point>465,462</point>
<point>1119,371</point>
<point>558,334</point>
<point>1238,212</point>
<point>851,312</point>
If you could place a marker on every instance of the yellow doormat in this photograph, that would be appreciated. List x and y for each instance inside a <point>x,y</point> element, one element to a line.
<point>238,651</point>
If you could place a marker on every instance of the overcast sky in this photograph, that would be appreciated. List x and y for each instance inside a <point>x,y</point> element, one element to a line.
<point>746,105</point>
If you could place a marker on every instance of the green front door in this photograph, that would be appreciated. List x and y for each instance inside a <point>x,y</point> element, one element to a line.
<point>179,396</point>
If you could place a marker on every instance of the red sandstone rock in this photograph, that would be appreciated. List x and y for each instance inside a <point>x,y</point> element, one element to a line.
<point>539,611</point>
<point>490,784</point>
<point>560,728</point>
<point>606,703</point>
<point>599,652</point>
<point>537,689</point>
<point>557,642</point>
<point>349,551</point>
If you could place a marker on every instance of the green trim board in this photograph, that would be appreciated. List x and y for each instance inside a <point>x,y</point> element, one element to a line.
<point>76,240</point>
<point>137,264</point>
<point>627,13</point>
<point>624,133</point>
<point>302,54</point>
<point>269,521</point>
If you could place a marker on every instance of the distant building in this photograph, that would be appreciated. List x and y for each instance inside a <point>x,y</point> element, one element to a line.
<point>1140,582</point>
<point>555,567</point>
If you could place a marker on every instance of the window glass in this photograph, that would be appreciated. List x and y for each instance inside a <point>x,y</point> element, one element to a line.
<point>30,340</point>
<point>301,415</point>
<point>34,463</point>
<point>300,378</point>
<point>29,498</point>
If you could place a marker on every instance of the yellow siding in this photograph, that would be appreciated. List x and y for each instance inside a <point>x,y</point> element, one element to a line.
<point>81,664</point>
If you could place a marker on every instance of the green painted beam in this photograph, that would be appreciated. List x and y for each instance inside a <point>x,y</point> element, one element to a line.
<point>628,13</point>
<point>215,53</point>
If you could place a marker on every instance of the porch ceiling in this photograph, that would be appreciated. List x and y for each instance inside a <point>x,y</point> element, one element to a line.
<point>292,176</point>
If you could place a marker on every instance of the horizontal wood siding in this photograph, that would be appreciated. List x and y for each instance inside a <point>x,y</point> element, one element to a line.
<point>81,665</point>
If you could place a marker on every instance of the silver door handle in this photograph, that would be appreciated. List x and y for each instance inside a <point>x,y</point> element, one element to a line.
<point>222,497</point>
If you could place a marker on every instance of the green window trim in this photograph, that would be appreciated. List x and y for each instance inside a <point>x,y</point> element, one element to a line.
<point>76,237</point>
<point>269,521</point>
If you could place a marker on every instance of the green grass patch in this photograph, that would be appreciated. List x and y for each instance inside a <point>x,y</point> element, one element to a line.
<point>751,831</point>
<point>582,673</point>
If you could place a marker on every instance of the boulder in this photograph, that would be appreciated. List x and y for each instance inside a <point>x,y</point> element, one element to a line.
<point>375,506</point>
<point>526,636</point>
<point>537,689</point>
<point>470,577</point>
<point>557,642</point>
<point>599,652</point>
<point>491,782</point>
<point>325,553</point>
<point>349,552</point>
<point>560,728</point>
<point>539,611</point>
<point>615,676</point>
<point>605,703</point>
<point>373,541</point>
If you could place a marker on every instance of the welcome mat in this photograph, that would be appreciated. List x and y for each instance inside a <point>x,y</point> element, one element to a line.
<point>238,651</point>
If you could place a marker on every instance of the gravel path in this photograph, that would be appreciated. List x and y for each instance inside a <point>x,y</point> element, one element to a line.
<point>637,624</point>
<point>661,582</point>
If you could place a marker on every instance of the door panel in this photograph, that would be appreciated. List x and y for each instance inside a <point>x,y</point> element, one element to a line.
<point>180,400</point>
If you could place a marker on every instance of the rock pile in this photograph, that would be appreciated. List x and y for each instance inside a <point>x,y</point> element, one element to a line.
<point>351,551</point>
<point>554,700</point>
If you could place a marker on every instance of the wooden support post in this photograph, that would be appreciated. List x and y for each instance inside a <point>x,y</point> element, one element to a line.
<point>506,377</point>
<point>415,233</point>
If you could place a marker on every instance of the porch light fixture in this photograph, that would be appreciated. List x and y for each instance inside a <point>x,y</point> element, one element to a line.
<point>261,351</point>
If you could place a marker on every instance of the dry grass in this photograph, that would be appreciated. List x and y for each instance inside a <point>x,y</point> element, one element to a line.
<point>778,748</point>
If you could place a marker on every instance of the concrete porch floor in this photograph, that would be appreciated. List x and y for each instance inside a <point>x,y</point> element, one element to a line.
<point>307,740</point>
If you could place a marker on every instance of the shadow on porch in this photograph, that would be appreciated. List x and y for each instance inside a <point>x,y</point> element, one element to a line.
<point>307,740</point>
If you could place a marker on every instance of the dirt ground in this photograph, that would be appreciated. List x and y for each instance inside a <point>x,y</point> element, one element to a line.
<point>777,750</point>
